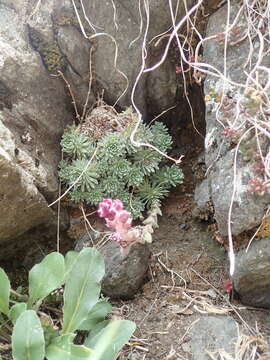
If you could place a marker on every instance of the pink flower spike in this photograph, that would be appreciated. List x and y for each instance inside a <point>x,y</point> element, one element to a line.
<point>120,220</point>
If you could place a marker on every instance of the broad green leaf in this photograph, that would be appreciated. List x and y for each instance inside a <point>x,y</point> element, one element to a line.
<point>82,289</point>
<point>96,315</point>
<point>96,330</point>
<point>27,337</point>
<point>16,310</point>
<point>79,352</point>
<point>107,343</point>
<point>70,259</point>
<point>4,292</point>
<point>60,347</point>
<point>46,277</point>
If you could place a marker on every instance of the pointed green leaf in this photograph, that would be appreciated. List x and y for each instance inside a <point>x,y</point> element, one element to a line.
<point>27,337</point>
<point>60,347</point>
<point>96,315</point>
<point>79,352</point>
<point>70,259</point>
<point>107,343</point>
<point>82,289</point>
<point>16,310</point>
<point>4,292</point>
<point>46,277</point>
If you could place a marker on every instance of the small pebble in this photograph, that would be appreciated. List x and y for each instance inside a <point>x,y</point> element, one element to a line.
<point>184,226</point>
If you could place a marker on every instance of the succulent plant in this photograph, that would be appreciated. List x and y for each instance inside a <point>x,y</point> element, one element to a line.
<point>137,176</point>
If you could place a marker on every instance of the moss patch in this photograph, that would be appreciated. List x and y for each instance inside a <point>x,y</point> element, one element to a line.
<point>50,52</point>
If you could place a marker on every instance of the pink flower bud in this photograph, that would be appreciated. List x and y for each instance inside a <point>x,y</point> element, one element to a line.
<point>109,208</point>
<point>123,216</point>
<point>111,214</point>
<point>115,237</point>
<point>103,210</point>
<point>228,286</point>
<point>118,205</point>
<point>110,223</point>
<point>107,201</point>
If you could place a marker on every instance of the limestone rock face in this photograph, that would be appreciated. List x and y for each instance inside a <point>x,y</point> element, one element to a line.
<point>231,162</point>
<point>23,204</point>
<point>33,115</point>
<point>156,90</point>
<point>251,278</point>
<point>228,172</point>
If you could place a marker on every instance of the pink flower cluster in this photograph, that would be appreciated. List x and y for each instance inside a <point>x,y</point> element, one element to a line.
<point>119,219</point>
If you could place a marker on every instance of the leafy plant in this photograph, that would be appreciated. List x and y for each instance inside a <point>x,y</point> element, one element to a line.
<point>36,335</point>
<point>135,175</point>
<point>76,146</point>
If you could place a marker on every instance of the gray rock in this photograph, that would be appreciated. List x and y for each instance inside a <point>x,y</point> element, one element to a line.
<point>202,199</point>
<point>33,114</point>
<point>204,208</point>
<point>247,208</point>
<point>202,194</point>
<point>156,90</point>
<point>86,240</point>
<point>212,333</point>
<point>251,278</point>
<point>124,275</point>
